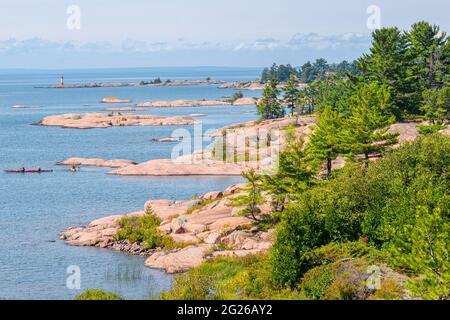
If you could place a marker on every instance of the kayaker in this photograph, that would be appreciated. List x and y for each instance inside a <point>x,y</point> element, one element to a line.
<point>39,170</point>
<point>73,168</point>
<point>22,170</point>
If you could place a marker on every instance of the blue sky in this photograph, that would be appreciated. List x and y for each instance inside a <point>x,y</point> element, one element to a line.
<point>34,34</point>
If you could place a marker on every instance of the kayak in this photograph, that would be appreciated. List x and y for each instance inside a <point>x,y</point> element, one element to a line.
<point>28,171</point>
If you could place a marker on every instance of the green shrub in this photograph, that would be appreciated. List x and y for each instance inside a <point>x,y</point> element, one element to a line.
<point>378,202</point>
<point>430,129</point>
<point>229,278</point>
<point>96,294</point>
<point>143,229</point>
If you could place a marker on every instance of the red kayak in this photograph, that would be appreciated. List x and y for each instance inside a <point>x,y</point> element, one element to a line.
<point>28,171</point>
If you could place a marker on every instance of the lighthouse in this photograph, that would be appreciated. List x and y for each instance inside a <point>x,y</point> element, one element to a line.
<point>61,82</point>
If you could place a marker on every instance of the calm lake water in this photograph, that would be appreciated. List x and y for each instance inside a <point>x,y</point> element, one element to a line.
<point>35,208</point>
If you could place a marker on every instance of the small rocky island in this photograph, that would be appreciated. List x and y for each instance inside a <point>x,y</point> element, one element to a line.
<point>166,83</point>
<point>102,120</point>
<point>198,103</point>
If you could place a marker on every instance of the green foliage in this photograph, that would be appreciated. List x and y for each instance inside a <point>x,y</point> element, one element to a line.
<point>326,142</point>
<point>237,95</point>
<point>228,278</point>
<point>339,271</point>
<point>427,44</point>
<point>332,91</point>
<point>436,104</point>
<point>291,93</point>
<point>269,106</point>
<point>96,294</point>
<point>430,129</point>
<point>252,197</point>
<point>371,110</point>
<point>388,64</point>
<point>379,201</point>
<point>143,229</point>
<point>423,247</point>
<point>330,211</point>
<point>280,73</point>
<point>292,176</point>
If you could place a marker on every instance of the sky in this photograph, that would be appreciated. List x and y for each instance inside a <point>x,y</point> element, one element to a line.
<point>146,33</point>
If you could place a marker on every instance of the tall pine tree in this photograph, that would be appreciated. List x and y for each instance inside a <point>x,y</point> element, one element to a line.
<point>270,106</point>
<point>326,142</point>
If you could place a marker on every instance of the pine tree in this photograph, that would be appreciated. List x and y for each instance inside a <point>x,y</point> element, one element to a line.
<point>291,93</point>
<point>423,248</point>
<point>252,197</point>
<point>292,176</point>
<point>436,104</point>
<point>372,110</point>
<point>389,64</point>
<point>269,106</point>
<point>427,42</point>
<point>326,142</point>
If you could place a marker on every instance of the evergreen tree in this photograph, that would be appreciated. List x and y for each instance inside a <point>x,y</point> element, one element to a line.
<point>326,142</point>
<point>252,197</point>
<point>388,64</point>
<point>291,93</point>
<point>371,110</point>
<point>269,106</point>
<point>423,248</point>
<point>436,104</point>
<point>427,42</point>
<point>293,174</point>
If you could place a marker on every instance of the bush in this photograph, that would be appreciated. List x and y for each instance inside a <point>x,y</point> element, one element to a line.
<point>228,278</point>
<point>331,211</point>
<point>378,202</point>
<point>97,295</point>
<point>143,229</point>
<point>430,129</point>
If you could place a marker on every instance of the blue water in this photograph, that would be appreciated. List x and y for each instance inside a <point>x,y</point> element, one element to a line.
<point>35,208</point>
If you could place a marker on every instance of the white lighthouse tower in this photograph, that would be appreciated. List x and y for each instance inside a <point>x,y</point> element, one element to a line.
<point>61,82</point>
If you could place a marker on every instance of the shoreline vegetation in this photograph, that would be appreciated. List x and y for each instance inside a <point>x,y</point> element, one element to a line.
<point>359,206</point>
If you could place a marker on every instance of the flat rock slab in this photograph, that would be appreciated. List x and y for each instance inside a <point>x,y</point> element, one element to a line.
<point>101,120</point>
<point>115,100</point>
<point>167,167</point>
<point>97,162</point>
<point>179,261</point>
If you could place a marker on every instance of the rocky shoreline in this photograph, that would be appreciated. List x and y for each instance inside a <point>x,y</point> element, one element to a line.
<point>198,103</point>
<point>100,120</point>
<point>167,83</point>
<point>96,162</point>
<point>212,229</point>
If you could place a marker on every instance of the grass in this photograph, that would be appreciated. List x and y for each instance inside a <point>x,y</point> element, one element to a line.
<point>430,129</point>
<point>227,278</point>
<point>97,294</point>
<point>201,205</point>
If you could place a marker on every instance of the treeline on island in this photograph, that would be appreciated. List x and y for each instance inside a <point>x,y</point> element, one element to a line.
<point>372,229</point>
<point>308,72</point>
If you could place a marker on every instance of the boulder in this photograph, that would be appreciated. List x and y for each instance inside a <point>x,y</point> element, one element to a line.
<point>213,195</point>
<point>179,260</point>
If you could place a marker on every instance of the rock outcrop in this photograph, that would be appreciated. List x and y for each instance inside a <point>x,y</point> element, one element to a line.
<point>100,120</point>
<point>124,109</point>
<point>115,100</point>
<point>96,162</point>
<point>197,103</point>
<point>166,83</point>
<point>202,227</point>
